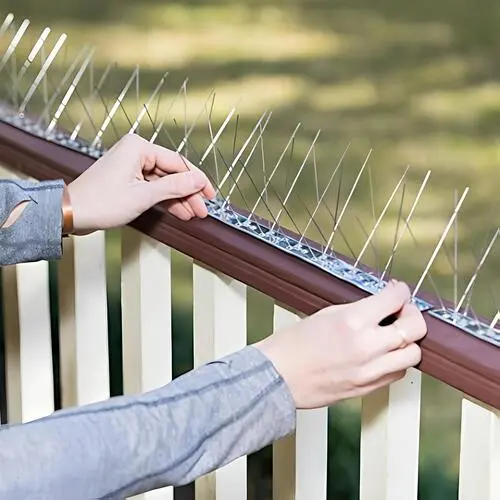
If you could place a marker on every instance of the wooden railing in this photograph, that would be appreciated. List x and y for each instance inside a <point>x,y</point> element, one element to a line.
<point>390,418</point>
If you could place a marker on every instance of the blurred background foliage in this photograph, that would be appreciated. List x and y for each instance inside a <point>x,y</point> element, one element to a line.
<point>416,81</point>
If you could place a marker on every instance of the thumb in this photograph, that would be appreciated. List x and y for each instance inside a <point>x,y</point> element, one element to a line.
<point>177,185</point>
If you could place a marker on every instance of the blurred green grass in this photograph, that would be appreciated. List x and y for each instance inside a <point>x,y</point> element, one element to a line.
<point>418,82</point>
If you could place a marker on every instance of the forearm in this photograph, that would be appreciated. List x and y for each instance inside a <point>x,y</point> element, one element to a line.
<point>169,436</point>
<point>36,232</point>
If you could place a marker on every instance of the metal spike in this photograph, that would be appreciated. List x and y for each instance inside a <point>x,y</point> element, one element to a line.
<point>187,133</point>
<point>455,253</point>
<point>240,152</point>
<point>46,65</point>
<point>294,182</point>
<point>245,163</point>
<point>217,136</point>
<point>69,92</point>
<point>29,60</point>
<point>440,242</point>
<point>323,194</point>
<point>6,24</point>
<point>372,246</point>
<point>93,95</point>
<point>270,178</point>
<point>159,128</point>
<point>114,108</point>
<point>14,43</point>
<point>408,218</point>
<point>431,280</point>
<point>379,220</point>
<point>476,272</point>
<point>61,85</point>
<point>142,111</point>
<point>396,232</point>
<point>495,320</point>
<point>339,220</point>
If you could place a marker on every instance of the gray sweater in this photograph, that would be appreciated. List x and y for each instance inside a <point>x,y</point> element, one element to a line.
<point>131,444</point>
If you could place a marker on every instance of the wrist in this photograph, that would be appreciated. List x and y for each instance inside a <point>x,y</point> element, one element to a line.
<point>67,213</point>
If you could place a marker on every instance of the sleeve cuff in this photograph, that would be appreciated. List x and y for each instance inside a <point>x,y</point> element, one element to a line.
<point>37,234</point>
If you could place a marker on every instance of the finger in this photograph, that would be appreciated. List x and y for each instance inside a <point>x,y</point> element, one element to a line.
<point>393,361</point>
<point>167,162</point>
<point>179,210</point>
<point>197,205</point>
<point>175,186</point>
<point>372,310</point>
<point>381,382</point>
<point>409,327</point>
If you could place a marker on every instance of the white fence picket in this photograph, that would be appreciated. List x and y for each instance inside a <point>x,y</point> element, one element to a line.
<point>219,329</point>
<point>390,436</point>
<point>147,320</point>
<point>479,452</point>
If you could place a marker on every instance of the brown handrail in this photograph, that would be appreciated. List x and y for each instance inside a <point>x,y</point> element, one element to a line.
<point>456,358</point>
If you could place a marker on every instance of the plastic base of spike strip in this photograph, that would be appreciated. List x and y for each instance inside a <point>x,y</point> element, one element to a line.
<point>468,324</point>
<point>220,210</point>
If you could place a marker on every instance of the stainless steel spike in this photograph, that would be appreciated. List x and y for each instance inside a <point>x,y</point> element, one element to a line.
<point>372,246</point>
<point>455,253</point>
<point>381,216</point>
<point>114,108</point>
<point>69,92</point>
<point>278,163</point>
<point>6,24</point>
<point>431,280</point>
<point>476,272</point>
<point>92,97</point>
<point>45,67</point>
<point>217,136</point>
<point>296,178</point>
<point>62,84</point>
<point>159,128</point>
<point>440,242</point>
<point>323,194</point>
<point>14,43</point>
<point>245,163</point>
<point>240,152</point>
<point>353,188</point>
<point>396,232</point>
<point>408,218</point>
<point>29,60</point>
<point>142,111</point>
<point>495,320</point>
<point>217,177</point>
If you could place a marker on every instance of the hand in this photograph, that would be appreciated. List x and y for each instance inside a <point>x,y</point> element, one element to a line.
<point>341,352</point>
<point>129,179</point>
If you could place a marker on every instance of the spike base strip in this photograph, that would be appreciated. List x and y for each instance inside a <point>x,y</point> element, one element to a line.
<point>460,360</point>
